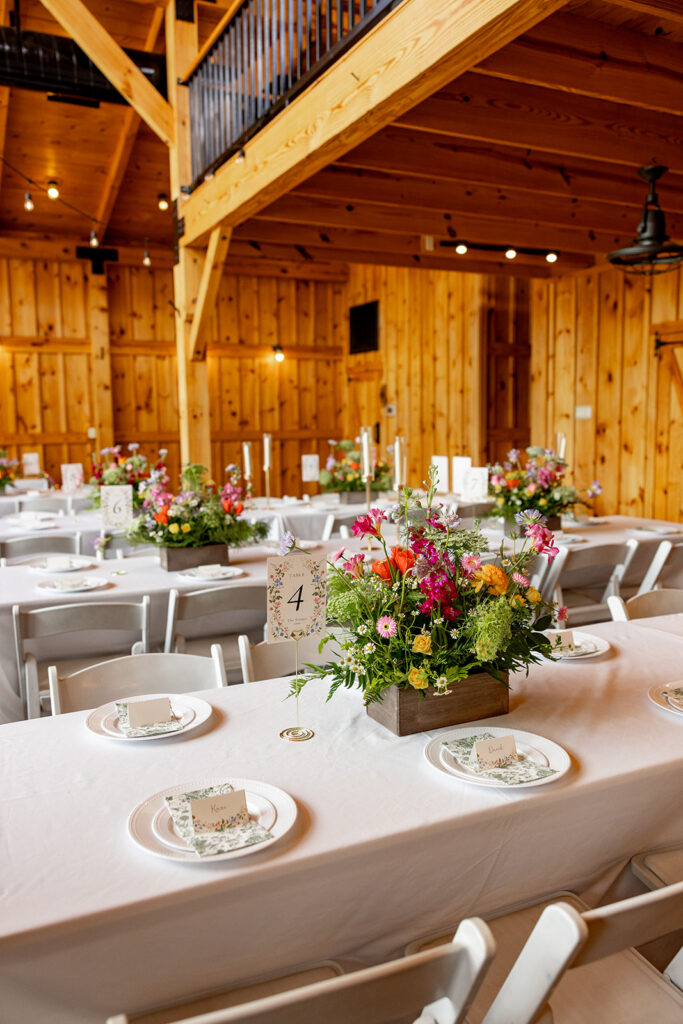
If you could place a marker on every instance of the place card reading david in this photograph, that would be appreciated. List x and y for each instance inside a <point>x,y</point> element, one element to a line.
<point>310,469</point>
<point>219,812</point>
<point>117,506</point>
<point>149,712</point>
<point>496,752</point>
<point>297,597</point>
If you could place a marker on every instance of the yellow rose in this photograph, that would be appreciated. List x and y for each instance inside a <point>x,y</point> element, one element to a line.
<point>500,501</point>
<point>417,677</point>
<point>186,527</point>
<point>542,501</point>
<point>173,528</point>
<point>517,600</point>
<point>532,595</point>
<point>422,644</point>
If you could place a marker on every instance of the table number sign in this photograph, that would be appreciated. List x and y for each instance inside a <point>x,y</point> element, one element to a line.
<point>440,463</point>
<point>310,468</point>
<point>476,485</point>
<point>72,477</point>
<point>30,464</point>
<point>117,506</point>
<point>459,466</point>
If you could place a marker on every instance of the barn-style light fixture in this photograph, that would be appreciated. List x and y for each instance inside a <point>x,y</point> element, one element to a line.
<point>162,201</point>
<point>147,259</point>
<point>53,190</point>
<point>94,240</point>
<point>651,252</point>
<point>279,354</point>
<point>28,202</point>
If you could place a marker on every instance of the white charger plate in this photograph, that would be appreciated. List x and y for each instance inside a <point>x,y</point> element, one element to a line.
<point>658,696</point>
<point>586,645</point>
<point>86,584</point>
<point>537,748</point>
<point>150,824</point>
<point>191,711</point>
<point>228,572</point>
<point>76,562</point>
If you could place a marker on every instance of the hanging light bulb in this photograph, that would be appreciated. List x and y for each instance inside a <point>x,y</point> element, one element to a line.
<point>53,189</point>
<point>279,354</point>
<point>551,257</point>
<point>147,259</point>
<point>94,240</point>
<point>510,254</point>
<point>461,249</point>
<point>28,202</point>
<point>162,201</point>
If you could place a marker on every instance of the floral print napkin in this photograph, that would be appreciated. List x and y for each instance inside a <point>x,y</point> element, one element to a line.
<point>675,697</point>
<point>137,731</point>
<point>207,844</point>
<point>523,770</point>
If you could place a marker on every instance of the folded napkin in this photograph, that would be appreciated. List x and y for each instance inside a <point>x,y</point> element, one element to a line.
<point>68,583</point>
<point>210,571</point>
<point>675,697</point>
<point>523,770</point>
<point>235,837</point>
<point>135,731</point>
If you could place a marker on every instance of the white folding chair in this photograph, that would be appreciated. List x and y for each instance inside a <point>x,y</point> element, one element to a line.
<point>436,987</point>
<point>606,564</point>
<point>35,627</point>
<point>269,661</point>
<point>62,505</point>
<point>28,483</point>
<point>656,869</point>
<point>646,606</point>
<point>665,568</point>
<point>335,526</point>
<point>55,544</point>
<point>133,675</point>
<point>222,611</point>
<point>626,988</point>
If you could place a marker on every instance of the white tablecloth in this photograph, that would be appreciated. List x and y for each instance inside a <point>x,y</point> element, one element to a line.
<point>386,849</point>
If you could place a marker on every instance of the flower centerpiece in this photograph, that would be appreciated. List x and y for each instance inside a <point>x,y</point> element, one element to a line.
<point>342,472</point>
<point>8,469</point>
<point>433,630</point>
<point>197,525</point>
<point>114,468</point>
<point>538,485</point>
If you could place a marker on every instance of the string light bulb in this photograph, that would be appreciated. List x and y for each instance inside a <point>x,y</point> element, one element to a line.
<point>53,190</point>
<point>162,201</point>
<point>510,254</point>
<point>461,249</point>
<point>551,257</point>
<point>241,156</point>
<point>94,240</point>
<point>147,259</point>
<point>28,202</point>
<point>279,354</point>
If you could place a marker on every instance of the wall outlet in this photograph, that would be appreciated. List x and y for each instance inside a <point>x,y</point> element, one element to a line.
<point>92,433</point>
<point>583,412</point>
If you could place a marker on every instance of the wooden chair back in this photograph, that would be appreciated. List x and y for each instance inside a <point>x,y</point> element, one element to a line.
<point>133,675</point>
<point>240,608</point>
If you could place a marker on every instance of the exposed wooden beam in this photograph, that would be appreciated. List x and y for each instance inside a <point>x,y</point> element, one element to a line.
<point>126,140</point>
<point>107,55</point>
<point>452,158</point>
<point>205,303</point>
<point>669,9</point>
<point>417,48</point>
<point>591,58</point>
<point>482,108</point>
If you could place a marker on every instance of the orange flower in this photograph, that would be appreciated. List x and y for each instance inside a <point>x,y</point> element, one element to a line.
<point>403,558</point>
<point>383,568</point>
<point>227,506</point>
<point>239,508</point>
<point>493,577</point>
<point>162,515</point>
<point>354,465</point>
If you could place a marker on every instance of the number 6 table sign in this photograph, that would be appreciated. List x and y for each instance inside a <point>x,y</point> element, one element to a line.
<point>116,506</point>
<point>297,601</point>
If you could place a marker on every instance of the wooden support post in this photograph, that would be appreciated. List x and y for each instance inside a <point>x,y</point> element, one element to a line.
<point>219,243</point>
<point>100,366</point>
<point>193,381</point>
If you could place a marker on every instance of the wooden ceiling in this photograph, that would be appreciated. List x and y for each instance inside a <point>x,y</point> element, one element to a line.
<point>539,146</point>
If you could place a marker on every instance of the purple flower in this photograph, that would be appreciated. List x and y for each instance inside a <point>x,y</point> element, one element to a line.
<point>595,489</point>
<point>331,463</point>
<point>287,543</point>
<point>513,455</point>
<point>530,517</point>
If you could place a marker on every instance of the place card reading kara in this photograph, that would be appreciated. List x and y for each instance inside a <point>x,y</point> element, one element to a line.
<point>219,812</point>
<point>496,752</point>
<point>149,712</point>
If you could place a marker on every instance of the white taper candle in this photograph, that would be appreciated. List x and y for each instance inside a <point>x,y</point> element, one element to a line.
<point>266,451</point>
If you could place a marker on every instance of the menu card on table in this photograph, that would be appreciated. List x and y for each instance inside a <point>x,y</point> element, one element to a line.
<point>117,506</point>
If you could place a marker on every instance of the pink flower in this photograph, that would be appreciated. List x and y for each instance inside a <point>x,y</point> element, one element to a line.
<point>386,626</point>
<point>562,613</point>
<point>522,581</point>
<point>370,524</point>
<point>354,566</point>
<point>542,540</point>
<point>339,554</point>
<point>470,563</point>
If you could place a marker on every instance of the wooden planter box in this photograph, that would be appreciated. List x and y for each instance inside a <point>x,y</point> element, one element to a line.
<point>178,559</point>
<point>356,497</point>
<point>406,711</point>
<point>510,526</point>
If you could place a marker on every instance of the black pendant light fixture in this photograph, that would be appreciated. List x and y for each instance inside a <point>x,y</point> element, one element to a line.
<point>651,252</point>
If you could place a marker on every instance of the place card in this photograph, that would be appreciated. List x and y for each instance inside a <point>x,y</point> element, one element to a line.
<point>440,463</point>
<point>297,597</point>
<point>566,638</point>
<point>495,753</point>
<point>117,506</point>
<point>218,812</point>
<point>30,464</point>
<point>149,712</point>
<point>459,466</point>
<point>310,469</point>
<point>57,563</point>
<point>208,844</point>
<point>522,770</point>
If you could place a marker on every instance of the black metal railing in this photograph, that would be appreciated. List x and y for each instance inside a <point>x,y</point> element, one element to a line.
<point>268,52</point>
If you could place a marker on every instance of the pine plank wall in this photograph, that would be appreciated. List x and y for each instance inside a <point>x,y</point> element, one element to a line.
<point>455,351</point>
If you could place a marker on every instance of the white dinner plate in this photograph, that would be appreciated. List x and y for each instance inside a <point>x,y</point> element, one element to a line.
<point>150,825</point>
<point>659,695</point>
<point>537,748</point>
<point>568,538</point>
<point>586,645</point>
<point>19,523</point>
<point>80,585</point>
<point>652,531</point>
<point>228,572</point>
<point>76,562</point>
<point>190,711</point>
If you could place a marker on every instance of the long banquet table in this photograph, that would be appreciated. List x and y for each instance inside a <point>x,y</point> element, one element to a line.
<point>385,849</point>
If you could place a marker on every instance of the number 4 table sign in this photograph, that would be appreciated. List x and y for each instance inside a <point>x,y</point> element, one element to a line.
<point>297,601</point>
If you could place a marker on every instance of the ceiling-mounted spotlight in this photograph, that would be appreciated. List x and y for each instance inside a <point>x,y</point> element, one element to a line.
<point>28,202</point>
<point>461,249</point>
<point>53,189</point>
<point>510,254</point>
<point>551,257</point>
<point>94,240</point>
<point>651,252</point>
<point>162,201</point>
<point>279,354</point>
